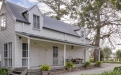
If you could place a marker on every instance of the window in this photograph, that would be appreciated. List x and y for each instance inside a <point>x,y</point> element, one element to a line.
<point>24,54</point>
<point>55,55</point>
<point>36,22</point>
<point>82,35</point>
<point>8,54</point>
<point>3,22</point>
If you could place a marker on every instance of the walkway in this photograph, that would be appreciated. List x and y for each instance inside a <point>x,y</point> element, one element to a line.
<point>105,67</point>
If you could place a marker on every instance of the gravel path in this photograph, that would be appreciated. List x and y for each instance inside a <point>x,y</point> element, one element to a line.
<point>105,67</point>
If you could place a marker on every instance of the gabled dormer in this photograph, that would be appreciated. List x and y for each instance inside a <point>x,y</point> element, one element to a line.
<point>35,17</point>
<point>81,33</point>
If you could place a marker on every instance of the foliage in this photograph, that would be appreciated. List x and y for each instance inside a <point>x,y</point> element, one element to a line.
<point>101,55</point>
<point>87,64</point>
<point>91,59</point>
<point>98,63</point>
<point>115,69</point>
<point>107,52</point>
<point>118,54</point>
<point>45,67</point>
<point>106,73</point>
<point>4,71</point>
<point>69,65</point>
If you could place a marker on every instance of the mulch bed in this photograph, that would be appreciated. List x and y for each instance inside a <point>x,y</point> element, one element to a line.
<point>60,71</point>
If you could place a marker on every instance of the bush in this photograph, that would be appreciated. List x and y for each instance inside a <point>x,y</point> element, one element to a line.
<point>115,69</point>
<point>91,59</point>
<point>45,67</point>
<point>4,71</point>
<point>98,63</point>
<point>69,65</point>
<point>87,64</point>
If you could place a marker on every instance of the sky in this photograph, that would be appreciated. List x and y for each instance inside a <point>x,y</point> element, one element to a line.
<point>30,3</point>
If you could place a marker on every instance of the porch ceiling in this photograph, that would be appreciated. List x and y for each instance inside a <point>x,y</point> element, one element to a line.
<point>54,40</point>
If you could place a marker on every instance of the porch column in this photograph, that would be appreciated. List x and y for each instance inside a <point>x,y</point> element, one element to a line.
<point>28,53</point>
<point>64,54</point>
<point>99,55</point>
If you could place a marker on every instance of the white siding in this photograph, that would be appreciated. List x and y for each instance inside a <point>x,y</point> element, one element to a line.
<point>7,35</point>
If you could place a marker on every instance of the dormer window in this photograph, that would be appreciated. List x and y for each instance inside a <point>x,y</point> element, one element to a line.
<point>82,35</point>
<point>36,22</point>
<point>3,21</point>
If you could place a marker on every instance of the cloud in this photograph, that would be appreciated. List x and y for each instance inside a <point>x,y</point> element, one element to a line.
<point>32,0</point>
<point>21,4</point>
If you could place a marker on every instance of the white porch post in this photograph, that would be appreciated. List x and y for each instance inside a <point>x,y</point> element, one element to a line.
<point>64,54</point>
<point>28,53</point>
<point>99,55</point>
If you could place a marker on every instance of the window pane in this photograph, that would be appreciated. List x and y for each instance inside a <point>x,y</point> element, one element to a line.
<point>3,22</point>
<point>24,62</point>
<point>38,22</point>
<point>34,21</point>
<point>5,54</point>
<point>6,62</point>
<point>25,54</point>
<point>25,46</point>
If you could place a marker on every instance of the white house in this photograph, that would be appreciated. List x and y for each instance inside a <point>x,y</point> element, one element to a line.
<point>28,38</point>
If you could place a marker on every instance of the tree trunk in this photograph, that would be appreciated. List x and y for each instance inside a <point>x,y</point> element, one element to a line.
<point>96,52</point>
<point>97,41</point>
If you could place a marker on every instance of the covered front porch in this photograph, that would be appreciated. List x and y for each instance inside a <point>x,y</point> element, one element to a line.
<point>34,52</point>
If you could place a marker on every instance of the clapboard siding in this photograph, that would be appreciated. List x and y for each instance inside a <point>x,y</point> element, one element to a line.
<point>8,34</point>
<point>47,33</point>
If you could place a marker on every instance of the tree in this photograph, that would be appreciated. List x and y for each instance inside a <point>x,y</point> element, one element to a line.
<point>118,54</point>
<point>107,52</point>
<point>99,17</point>
<point>101,56</point>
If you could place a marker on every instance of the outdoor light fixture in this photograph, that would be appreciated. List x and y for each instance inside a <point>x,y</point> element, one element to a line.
<point>19,37</point>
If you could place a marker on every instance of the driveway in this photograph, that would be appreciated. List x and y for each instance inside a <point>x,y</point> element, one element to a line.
<point>105,67</point>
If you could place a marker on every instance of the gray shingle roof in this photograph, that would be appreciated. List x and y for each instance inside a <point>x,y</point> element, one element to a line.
<point>49,23</point>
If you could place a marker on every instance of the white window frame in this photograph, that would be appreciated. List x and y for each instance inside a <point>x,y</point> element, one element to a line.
<point>3,22</point>
<point>36,22</point>
<point>26,55</point>
<point>8,57</point>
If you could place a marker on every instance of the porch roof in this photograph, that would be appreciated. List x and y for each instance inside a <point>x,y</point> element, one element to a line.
<point>57,40</point>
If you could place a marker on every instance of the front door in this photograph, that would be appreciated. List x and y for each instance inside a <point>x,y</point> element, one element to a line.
<point>55,55</point>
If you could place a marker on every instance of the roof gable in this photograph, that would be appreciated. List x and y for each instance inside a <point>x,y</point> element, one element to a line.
<point>17,11</point>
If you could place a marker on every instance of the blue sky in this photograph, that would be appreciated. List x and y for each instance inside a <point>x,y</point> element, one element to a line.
<point>25,3</point>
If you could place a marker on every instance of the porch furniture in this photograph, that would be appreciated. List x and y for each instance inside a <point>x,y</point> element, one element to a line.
<point>75,61</point>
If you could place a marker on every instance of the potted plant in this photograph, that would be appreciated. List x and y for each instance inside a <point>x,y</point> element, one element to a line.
<point>45,69</point>
<point>87,64</point>
<point>98,63</point>
<point>69,66</point>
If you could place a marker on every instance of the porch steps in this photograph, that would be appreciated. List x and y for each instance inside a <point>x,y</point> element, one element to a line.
<point>19,71</point>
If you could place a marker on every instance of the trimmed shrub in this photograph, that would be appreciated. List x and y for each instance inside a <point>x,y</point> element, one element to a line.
<point>98,63</point>
<point>69,65</point>
<point>87,64</point>
<point>45,67</point>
